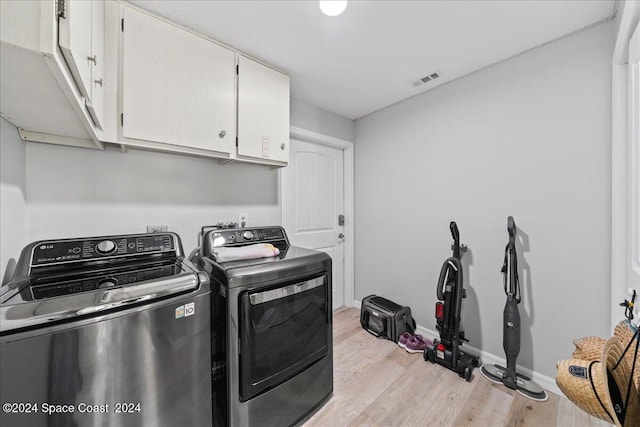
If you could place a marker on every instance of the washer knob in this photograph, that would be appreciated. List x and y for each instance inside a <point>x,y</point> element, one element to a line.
<point>106,247</point>
<point>107,283</point>
<point>247,235</point>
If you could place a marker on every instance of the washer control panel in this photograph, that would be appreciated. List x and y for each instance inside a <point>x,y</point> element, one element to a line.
<point>58,251</point>
<point>238,237</point>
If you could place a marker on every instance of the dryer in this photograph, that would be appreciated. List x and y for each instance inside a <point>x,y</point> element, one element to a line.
<point>271,329</point>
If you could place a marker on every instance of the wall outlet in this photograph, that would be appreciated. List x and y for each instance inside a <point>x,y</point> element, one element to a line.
<point>157,228</point>
<point>243,218</point>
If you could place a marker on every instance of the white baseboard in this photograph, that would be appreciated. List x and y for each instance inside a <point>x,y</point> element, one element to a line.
<point>544,381</point>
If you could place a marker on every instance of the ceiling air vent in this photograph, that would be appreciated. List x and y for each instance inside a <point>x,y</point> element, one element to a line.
<point>425,79</point>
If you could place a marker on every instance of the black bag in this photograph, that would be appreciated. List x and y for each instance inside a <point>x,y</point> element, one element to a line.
<point>385,319</point>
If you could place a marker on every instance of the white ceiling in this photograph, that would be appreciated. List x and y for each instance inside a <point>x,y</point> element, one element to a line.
<point>366,58</point>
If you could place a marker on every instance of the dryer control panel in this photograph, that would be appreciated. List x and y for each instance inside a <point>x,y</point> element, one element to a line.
<point>70,250</point>
<point>246,236</point>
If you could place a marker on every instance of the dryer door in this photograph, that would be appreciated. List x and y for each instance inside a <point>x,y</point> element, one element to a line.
<point>283,330</point>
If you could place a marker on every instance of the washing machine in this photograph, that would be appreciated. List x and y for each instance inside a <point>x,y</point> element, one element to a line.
<point>105,331</point>
<point>272,347</point>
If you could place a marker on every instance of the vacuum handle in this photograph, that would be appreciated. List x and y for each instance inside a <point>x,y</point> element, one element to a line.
<point>511,228</point>
<point>454,232</point>
<point>510,267</point>
<point>450,268</point>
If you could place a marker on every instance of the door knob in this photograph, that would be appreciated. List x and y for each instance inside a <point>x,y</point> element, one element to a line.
<point>340,236</point>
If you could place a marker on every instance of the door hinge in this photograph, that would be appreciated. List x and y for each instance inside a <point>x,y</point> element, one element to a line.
<point>122,119</point>
<point>61,9</point>
<point>237,69</point>
<point>122,24</point>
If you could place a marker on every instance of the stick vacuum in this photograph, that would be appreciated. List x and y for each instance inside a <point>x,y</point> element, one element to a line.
<point>511,328</point>
<point>450,292</point>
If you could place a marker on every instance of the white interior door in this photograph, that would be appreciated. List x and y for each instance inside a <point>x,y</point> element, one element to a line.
<point>625,247</point>
<point>312,200</point>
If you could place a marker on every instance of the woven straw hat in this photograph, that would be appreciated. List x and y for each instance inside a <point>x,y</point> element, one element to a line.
<point>599,389</point>
<point>588,348</point>
<point>625,333</point>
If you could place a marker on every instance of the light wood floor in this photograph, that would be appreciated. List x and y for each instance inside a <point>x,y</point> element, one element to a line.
<point>377,383</point>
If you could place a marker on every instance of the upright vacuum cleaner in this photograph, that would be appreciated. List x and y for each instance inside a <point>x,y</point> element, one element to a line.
<point>450,292</point>
<point>511,328</point>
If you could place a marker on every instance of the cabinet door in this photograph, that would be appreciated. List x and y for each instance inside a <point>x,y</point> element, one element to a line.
<point>95,102</point>
<point>263,112</point>
<point>74,39</point>
<point>177,88</point>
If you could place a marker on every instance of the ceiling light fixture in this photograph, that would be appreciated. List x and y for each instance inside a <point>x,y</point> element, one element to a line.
<point>333,7</point>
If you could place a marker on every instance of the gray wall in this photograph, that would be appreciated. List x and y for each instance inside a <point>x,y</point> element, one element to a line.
<point>315,119</point>
<point>530,137</point>
<point>13,225</point>
<point>79,192</point>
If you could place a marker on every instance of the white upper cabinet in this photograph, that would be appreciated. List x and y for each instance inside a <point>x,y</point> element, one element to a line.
<point>75,42</point>
<point>263,113</point>
<point>44,94</point>
<point>82,73</point>
<point>81,40</point>
<point>177,87</point>
<point>95,103</point>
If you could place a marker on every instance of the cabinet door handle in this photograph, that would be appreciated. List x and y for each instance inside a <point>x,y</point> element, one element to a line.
<point>282,146</point>
<point>222,134</point>
<point>98,82</point>
<point>92,59</point>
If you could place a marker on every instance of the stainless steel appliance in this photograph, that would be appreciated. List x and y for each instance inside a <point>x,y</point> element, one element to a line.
<point>271,330</point>
<point>105,331</point>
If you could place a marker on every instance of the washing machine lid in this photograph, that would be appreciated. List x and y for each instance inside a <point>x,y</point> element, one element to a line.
<point>61,280</point>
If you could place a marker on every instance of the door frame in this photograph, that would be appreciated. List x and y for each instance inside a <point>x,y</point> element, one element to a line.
<point>622,168</point>
<point>348,162</point>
